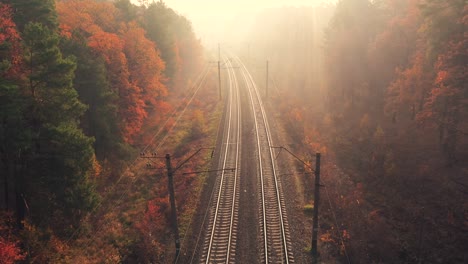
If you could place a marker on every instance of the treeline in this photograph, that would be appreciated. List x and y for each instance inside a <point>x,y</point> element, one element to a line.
<point>397,114</point>
<point>390,107</point>
<point>78,80</point>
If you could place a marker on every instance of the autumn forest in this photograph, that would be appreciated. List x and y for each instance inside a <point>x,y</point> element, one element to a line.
<point>88,87</point>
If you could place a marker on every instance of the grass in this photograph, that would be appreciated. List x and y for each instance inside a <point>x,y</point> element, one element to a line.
<point>308,209</point>
<point>307,249</point>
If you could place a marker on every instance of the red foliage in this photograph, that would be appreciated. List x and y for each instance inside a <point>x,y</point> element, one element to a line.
<point>134,66</point>
<point>9,34</point>
<point>10,251</point>
<point>151,227</point>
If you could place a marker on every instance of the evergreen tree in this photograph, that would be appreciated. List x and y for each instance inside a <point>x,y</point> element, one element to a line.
<point>14,134</point>
<point>59,166</point>
<point>100,119</point>
<point>129,10</point>
<point>159,23</point>
<point>40,11</point>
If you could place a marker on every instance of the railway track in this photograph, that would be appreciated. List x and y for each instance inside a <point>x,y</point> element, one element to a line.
<point>220,239</point>
<point>273,223</point>
<point>221,233</point>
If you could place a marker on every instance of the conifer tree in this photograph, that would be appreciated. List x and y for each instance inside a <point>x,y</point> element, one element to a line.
<point>58,178</point>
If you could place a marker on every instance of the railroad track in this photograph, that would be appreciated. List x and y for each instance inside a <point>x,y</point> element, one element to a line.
<point>220,239</point>
<point>221,233</point>
<point>274,229</point>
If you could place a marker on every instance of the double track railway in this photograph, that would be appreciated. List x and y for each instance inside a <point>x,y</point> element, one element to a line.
<point>220,239</point>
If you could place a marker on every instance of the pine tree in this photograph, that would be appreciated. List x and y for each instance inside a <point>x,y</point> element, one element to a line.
<point>40,11</point>
<point>57,178</point>
<point>100,119</point>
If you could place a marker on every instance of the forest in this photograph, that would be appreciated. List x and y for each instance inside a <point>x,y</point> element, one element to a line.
<point>381,88</point>
<point>81,83</point>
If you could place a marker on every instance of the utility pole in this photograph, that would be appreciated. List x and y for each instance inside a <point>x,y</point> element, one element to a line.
<point>316,207</point>
<point>174,223</point>
<point>219,52</point>
<point>170,182</point>
<point>313,249</point>
<point>219,79</point>
<point>266,79</point>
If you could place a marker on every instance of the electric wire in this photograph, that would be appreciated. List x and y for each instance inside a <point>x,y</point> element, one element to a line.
<point>208,205</point>
<point>337,227</point>
<point>198,84</point>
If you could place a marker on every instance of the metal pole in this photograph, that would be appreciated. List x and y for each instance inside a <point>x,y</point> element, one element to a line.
<point>219,79</point>
<point>173,205</point>
<point>316,207</point>
<point>267,79</point>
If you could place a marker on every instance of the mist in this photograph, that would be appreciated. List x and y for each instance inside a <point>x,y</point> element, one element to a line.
<point>342,121</point>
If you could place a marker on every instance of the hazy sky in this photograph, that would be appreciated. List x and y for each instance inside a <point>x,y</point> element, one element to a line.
<point>231,7</point>
<point>211,18</point>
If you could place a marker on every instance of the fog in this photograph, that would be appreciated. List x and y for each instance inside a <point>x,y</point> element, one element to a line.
<point>216,21</point>
<point>256,30</point>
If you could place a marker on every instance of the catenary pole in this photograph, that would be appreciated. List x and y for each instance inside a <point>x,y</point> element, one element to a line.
<point>173,205</point>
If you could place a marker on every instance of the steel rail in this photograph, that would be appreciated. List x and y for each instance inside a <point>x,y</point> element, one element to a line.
<point>254,92</point>
<point>224,183</point>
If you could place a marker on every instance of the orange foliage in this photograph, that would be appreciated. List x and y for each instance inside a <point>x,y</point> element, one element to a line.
<point>144,63</point>
<point>327,238</point>
<point>88,16</point>
<point>108,45</point>
<point>134,66</point>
